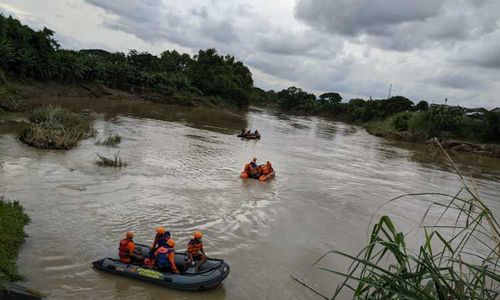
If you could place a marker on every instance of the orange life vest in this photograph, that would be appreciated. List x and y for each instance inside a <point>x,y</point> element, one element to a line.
<point>123,251</point>
<point>264,169</point>
<point>195,246</point>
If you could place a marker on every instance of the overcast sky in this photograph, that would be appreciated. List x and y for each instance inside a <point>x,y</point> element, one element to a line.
<point>427,49</point>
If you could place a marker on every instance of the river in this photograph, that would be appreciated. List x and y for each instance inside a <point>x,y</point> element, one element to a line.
<point>183,173</point>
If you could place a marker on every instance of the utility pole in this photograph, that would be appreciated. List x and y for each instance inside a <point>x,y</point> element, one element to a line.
<point>390,89</point>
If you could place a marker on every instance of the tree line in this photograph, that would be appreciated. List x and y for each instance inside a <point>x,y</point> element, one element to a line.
<point>35,54</point>
<point>399,114</point>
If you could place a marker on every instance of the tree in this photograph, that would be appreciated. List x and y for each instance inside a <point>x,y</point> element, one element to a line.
<point>422,105</point>
<point>295,98</point>
<point>331,97</point>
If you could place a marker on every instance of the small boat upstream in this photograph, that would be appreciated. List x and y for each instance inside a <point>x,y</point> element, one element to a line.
<point>249,135</point>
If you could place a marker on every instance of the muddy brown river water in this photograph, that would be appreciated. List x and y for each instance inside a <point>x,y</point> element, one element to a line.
<point>183,173</point>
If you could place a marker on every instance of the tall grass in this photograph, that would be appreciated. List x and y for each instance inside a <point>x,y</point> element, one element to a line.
<point>115,162</point>
<point>54,127</point>
<point>458,259</point>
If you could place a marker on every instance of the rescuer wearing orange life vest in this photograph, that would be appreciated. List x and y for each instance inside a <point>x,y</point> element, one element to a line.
<point>161,239</point>
<point>126,250</point>
<point>195,250</point>
<point>266,169</point>
<point>164,258</point>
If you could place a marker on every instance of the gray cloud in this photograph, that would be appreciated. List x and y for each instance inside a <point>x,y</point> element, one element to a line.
<point>358,17</point>
<point>483,53</point>
<point>457,81</point>
<point>401,25</point>
<point>426,49</point>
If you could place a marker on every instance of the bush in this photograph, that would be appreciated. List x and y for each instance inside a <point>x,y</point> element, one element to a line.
<point>12,222</point>
<point>401,120</point>
<point>56,128</point>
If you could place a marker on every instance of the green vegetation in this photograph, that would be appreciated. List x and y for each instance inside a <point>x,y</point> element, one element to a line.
<point>12,222</point>
<point>54,127</point>
<point>26,54</point>
<point>111,141</point>
<point>458,258</point>
<point>115,162</point>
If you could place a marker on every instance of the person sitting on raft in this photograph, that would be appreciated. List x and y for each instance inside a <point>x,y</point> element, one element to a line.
<point>266,169</point>
<point>243,132</point>
<point>249,132</point>
<point>257,133</point>
<point>127,248</point>
<point>195,251</point>
<point>163,259</point>
<point>161,238</point>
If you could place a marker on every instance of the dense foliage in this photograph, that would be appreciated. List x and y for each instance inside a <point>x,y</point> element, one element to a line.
<point>12,221</point>
<point>29,54</point>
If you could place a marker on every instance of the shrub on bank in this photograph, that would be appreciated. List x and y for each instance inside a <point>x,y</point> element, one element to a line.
<point>54,127</point>
<point>12,222</point>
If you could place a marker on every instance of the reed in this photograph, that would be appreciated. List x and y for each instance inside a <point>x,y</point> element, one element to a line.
<point>458,259</point>
<point>115,162</point>
<point>110,141</point>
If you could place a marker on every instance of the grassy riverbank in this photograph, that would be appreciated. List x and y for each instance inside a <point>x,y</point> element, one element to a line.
<point>12,222</point>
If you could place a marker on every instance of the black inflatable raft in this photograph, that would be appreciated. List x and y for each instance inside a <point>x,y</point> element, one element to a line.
<point>211,273</point>
<point>249,136</point>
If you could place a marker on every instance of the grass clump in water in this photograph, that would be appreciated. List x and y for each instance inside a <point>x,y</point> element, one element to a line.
<point>54,127</point>
<point>110,141</point>
<point>12,222</point>
<point>458,258</point>
<point>115,162</point>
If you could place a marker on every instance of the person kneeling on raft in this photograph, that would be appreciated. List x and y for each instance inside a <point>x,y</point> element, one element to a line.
<point>161,239</point>
<point>163,259</point>
<point>195,251</point>
<point>126,250</point>
<point>253,170</point>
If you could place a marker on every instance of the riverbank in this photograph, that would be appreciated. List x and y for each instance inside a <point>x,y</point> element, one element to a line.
<point>387,129</point>
<point>456,128</point>
<point>12,222</point>
<point>26,91</point>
